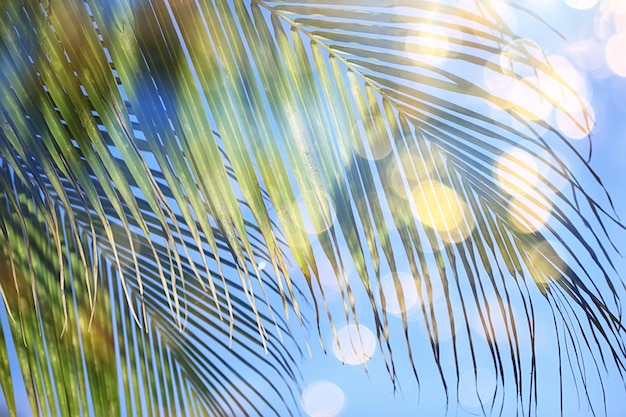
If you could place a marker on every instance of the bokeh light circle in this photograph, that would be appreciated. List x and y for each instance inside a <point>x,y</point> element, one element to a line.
<point>371,139</point>
<point>547,261</point>
<point>354,344</point>
<point>434,48</point>
<point>616,54</point>
<point>323,399</point>
<point>529,214</point>
<point>410,296</point>
<point>317,218</point>
<point>616,6</point>
<point>528,97</point>
<point>441,208</point>
<point>581,4</point>
<point>517,172</point>
<point>577,124</point>
<point>516,53</point>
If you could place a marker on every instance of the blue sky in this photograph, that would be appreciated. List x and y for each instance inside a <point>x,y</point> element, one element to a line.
<point>592,33</point>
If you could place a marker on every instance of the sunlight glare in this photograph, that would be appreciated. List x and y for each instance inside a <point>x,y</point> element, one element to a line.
<point>514,55</point>
<point>498,84</point>
<point>549,169</point>
<point>587,54</point>
<point>409,294</point>
<point>412,299</point>
<point>616,54</point>
<point>498,324</point>
<point>287,218</point>
<point>577,124</point>
<point>516,172</point>
<point>429,40</point>
<point>354,344</point>
<point>603,24</point>
<point>323,399</point>
<point>441,308</point>
<point>581,4</point>
<point>506,13</point>
<point>527,97</point>
<point>616,6</point>
<point>528,216</point>
<point>394,177</point>
<point>412,167</point>
<point>463,230</point>
<point>434,48</point>
<point>619,19</point>
<point>566,84</point>
<point>332,285</point>
<point>545,262</point>
<point>371,135</point>
<point>319,217</point>
<point>441,208</point>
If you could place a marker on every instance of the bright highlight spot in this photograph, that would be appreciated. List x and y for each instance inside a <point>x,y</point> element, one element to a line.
<point>506,13</point>
<point>577,124</point>
<point>395,177</point>
<point>461,232</point>
<point>317,211</point>
<point>354,344</point>
<point>441,308</point>
<point>411,167</point>
<point>261,265</point>
<point>604,25</point>
<point>615,54</point>
<point>497,83</point>
<point>434,48</point>
<point>528,216</point>
<point>410,294</point>
<point>545,262</point>
<point>587,54</point>
<point>441,208</point>
<point>581,4</point>
<point>332,285</point>
<point>517,172</point>
<point>619,19</point>
<point>323,399</point>
<point>528,97</point>
<point>552,172</point>
<point>495,324</point>
<point>516,52</point>
<point>371,139</point>
<point>564,85</point>
<point>616,6</point>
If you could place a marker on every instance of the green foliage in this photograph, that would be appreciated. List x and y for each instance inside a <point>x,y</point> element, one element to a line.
<point>154,152</point>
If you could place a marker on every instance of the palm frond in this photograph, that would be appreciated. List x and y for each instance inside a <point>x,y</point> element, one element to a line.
<point>354,124</point>
<point>372,104</point>
<point>97,358</point>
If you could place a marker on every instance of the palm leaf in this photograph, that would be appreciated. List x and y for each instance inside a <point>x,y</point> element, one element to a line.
<point>343,115</point>
<point>103,361</point>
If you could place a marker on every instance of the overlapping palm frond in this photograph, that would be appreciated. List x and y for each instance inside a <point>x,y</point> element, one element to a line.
<point>96,357</point>
<point>355,124</point>
<point>480,199</point>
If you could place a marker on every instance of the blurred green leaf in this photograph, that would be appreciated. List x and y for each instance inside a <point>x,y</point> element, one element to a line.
<point>154,152</point>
